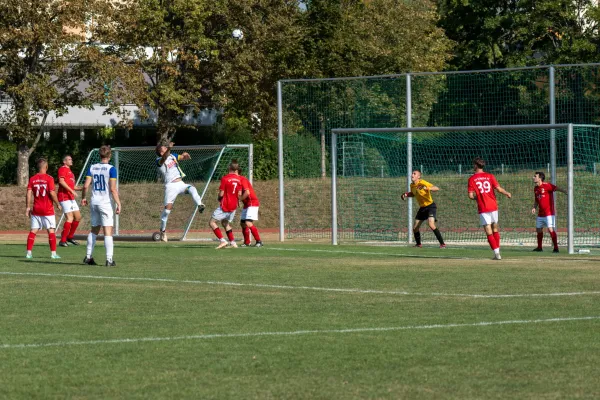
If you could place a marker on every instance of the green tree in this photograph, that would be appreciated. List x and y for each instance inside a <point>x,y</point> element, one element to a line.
<point>44,59</point>
<point>172,45</point>
<point>492,34</point>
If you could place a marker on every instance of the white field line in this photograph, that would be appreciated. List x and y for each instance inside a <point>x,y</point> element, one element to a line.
<point>291,333</point>
<point>372,253</point>
<point>310,288</point>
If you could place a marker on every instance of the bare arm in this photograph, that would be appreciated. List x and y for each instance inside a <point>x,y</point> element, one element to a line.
<point>28,201</point>
<point>472,195</point>
<point>115,195</point>
<point>63,184</point>
<point>86,185</point>
<point>221,194</point>
<point>559,189</point>
<point>185,156</point>
<point>434,188</point>
<point>245,195</point>
<point>535,206</point>
<point>500,189</point>
<point>163,158</point>
<point>54,198</point>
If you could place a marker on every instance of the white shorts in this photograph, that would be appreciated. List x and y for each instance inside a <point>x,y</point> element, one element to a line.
<point>546,222</point>
<point>101,215</point>
<point>488,218</point>
<point>250,213</point>
<point>69,206</point>
<point>43,222</point>
<point>221,215</point>
<point>174,189</point>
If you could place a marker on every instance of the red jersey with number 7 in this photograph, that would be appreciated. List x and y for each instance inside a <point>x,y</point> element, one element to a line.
<point>483,185</point>
<point>41,185</point>
<point>231,185</point>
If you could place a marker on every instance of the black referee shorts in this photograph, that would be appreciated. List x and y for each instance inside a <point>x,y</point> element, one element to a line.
<point>427,212</point>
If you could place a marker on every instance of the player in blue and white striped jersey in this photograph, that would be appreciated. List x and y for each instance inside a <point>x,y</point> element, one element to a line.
<point>102,177</point>
<point>168,165</point>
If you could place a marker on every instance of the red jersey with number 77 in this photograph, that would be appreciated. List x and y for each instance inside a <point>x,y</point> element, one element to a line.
<point>41,185</point>
<point>231,185</point>
<point>483,185</point>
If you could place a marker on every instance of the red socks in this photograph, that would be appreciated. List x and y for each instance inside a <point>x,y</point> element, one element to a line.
<point>540,238</point>
<point>65,231</point>
<point>255,233</point>
<point>230,236</point>
<point>30,241</point>
<point>497,239</point>
<point>246,233</point>
<point>218,233</point>
<point>554,239</point>
<point>74,226</point>
<point>492,241</point>
<point>52,241</point>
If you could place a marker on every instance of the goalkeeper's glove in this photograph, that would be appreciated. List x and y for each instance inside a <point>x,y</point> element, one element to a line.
<point>404,195</point>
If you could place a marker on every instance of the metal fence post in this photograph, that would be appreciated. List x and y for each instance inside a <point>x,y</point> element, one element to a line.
<point>280,161</point>
<point>570,197</point>
<point>409,159</point>
<point>334,230</point>
<point>551,83</point>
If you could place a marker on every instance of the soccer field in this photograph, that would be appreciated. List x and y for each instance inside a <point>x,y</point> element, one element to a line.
<point>183,320</point>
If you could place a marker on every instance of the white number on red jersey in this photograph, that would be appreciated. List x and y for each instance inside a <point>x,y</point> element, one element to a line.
<point>40,188</point>
<point>484,187</point>
<point>234,187</point>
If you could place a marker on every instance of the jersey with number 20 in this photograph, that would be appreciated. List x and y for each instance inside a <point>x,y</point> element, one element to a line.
<point>101,175</point>
<point>483,185</point>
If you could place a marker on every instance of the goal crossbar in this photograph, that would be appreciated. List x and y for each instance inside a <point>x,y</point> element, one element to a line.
<point>409,131</point>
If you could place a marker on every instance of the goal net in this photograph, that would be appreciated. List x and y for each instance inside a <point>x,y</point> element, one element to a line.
<point>372,168</point>
<point>141,189</point>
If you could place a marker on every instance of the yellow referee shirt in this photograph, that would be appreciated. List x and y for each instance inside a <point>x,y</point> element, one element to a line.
<point>420,191</point>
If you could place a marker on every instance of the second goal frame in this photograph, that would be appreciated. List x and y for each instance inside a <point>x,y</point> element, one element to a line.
<point>335,133</point>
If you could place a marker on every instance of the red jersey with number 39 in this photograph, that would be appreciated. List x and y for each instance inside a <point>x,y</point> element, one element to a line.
<point>41,185</point>
<point>231,185</point>
<point>251,200</point>
<point>544,194</point>
<point>66,173</point>
<point>483,185</point>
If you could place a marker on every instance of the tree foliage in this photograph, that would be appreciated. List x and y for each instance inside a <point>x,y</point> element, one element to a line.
<point>47,65</point>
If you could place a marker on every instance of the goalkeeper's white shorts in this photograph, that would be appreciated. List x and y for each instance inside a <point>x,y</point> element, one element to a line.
<point>174,189</point>
<point>250,213</point>
<point>221,215</point>
<point>546,222</point>
<point>488,218</point>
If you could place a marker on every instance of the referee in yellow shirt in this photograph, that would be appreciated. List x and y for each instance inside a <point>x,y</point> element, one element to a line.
<point>421,190</point>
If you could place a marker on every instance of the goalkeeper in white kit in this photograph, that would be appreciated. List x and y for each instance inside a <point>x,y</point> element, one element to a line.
<point>168,164</point>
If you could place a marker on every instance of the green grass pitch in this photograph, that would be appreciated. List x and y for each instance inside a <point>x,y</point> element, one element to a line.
<point>183,320</point>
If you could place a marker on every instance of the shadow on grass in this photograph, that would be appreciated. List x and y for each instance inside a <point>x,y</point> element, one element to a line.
<point>52,262</point>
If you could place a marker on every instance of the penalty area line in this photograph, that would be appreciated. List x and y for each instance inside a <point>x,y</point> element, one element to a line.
<point>308,288</point>
<point>291,333</point>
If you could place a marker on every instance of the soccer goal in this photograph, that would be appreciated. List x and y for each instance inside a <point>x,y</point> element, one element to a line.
<point>367,206</point>
<point>141,188</point>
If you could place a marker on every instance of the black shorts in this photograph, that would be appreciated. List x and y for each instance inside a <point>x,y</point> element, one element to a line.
<point>427,212</point>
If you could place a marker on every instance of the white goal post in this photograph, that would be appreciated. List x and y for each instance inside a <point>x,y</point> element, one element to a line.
<point>141,188</point>
<point>514,142</point>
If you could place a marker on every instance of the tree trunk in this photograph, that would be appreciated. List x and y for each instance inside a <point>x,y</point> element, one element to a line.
<point>22,165</point>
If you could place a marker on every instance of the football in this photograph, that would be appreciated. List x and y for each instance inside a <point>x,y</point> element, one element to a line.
<point>237,34</point>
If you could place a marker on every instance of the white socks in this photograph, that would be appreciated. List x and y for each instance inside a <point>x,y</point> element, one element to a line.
<point>108,243</point>
<point>164,217</point>
<point>192,190</point>
<point>91,242</point>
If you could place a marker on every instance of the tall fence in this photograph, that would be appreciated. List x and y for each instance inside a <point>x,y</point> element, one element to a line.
<point>309,109</point>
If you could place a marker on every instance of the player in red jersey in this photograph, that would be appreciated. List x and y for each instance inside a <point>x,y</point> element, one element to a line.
<point>544,199</point>
<point>230,192</point>
<point>66,196</point>
<point>40,193</point>
<point>481,188</point>
<point>249,213</point>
